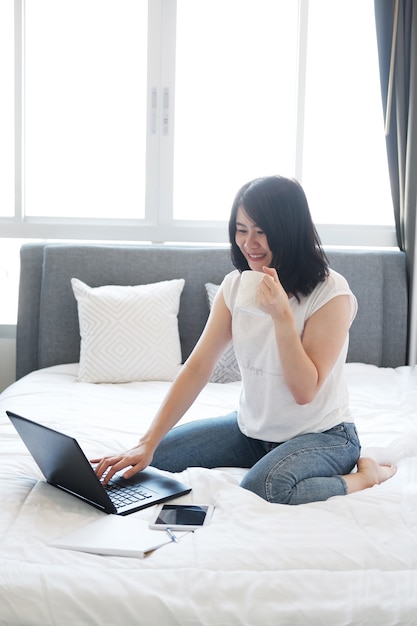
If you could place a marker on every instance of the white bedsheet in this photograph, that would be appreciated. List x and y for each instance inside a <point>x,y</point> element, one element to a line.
<point>350,560</point>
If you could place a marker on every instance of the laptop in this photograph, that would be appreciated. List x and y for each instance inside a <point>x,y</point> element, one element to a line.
<point>65,466</point>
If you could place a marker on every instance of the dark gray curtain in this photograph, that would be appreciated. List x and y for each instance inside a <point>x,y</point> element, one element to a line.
<point>401,139</point>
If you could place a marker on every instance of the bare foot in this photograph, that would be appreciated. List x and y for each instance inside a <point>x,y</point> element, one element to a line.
<point>369,473</point>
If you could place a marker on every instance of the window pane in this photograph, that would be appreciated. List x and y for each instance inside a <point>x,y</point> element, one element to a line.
<point>7,108</point>
<point>345,166</point>
<point>85,108</point>
<point>234,100</point>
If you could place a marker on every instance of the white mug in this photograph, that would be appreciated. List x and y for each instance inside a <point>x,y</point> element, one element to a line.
<point>246,295</point>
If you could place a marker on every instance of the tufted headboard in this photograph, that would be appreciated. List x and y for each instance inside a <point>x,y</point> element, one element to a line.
<point>47,327</point>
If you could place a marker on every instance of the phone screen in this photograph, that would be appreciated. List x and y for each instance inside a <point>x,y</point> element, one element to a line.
<point>182,515</point>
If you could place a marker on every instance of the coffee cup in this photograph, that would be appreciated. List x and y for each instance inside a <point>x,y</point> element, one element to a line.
<point>246,295</point>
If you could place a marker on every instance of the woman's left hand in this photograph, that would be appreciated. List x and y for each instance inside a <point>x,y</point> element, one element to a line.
<point>305,360</point>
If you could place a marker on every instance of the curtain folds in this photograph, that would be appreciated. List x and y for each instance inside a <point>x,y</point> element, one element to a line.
<point>401,139</point>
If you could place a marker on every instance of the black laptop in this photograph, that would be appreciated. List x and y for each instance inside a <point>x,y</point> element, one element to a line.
<point>64,465</point>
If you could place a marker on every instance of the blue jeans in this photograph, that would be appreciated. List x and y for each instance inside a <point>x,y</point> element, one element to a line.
<point>306,468</point>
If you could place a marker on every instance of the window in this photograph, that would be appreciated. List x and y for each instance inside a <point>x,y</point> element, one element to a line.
<point>85,108</point>
<point>136,120</point>
<point>235,100</point>
<point>345,169</point>
<point>7,149</point>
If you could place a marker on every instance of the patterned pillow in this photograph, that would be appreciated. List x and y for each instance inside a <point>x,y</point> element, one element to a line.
<point>227,370</point>
<point>128,333</point>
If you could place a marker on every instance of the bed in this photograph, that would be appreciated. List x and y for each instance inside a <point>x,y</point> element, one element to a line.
<point>351,560</point>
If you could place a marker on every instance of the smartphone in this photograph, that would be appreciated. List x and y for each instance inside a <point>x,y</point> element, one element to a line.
<point>181,516</point>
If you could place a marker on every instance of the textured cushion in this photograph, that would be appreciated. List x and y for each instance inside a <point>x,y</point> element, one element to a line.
<point>227,369</point>
<point>128,333</point>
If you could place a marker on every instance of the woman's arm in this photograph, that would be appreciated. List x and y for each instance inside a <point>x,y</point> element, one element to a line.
<point>305,361</point>
<point>189,382</point>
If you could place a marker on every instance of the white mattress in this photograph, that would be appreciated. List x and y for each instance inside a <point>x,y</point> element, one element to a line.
<point>349,560</point>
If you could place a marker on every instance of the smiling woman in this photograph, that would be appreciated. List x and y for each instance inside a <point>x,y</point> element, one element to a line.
<point>293,429</point>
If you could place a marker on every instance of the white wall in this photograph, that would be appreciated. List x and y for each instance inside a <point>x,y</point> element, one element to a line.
<point>7,361</point>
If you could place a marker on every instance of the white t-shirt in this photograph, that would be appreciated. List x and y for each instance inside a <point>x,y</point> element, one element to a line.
<point>267,409</point>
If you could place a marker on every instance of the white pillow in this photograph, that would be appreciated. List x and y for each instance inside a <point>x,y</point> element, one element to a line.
<point>227,370</point>
<point>128,333</point>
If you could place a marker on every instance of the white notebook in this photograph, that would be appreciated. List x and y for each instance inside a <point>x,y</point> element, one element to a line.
<point>116,535</point>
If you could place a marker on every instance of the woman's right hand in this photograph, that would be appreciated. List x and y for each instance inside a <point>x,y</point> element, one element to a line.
<point>137,458</point>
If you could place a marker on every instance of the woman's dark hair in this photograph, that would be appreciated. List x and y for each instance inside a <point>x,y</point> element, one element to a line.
<point>279,207</point>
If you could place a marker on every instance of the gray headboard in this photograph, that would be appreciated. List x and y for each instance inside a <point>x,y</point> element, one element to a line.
<point>47,327</point>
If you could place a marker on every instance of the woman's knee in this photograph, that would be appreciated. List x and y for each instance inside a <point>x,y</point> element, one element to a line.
<point>275,490</point>
<point>211,442</point>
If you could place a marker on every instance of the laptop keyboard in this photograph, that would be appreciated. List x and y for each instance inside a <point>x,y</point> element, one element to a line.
<point>125,495</point>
